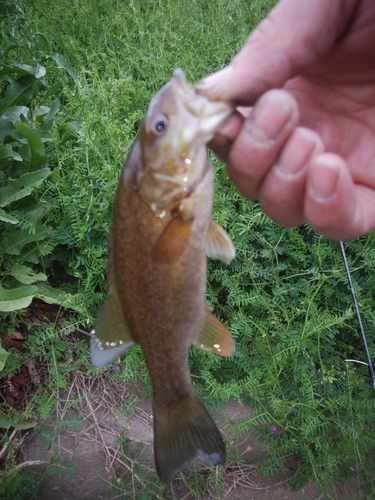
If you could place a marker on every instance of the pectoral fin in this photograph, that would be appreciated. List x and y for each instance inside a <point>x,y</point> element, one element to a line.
<point>213,336</point>
<point>111,336</point>
<point>219,245</point>
<point>173,241</point>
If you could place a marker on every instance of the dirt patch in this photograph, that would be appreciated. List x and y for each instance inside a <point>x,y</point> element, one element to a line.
<point>90,479</point>
<point>96,451</point>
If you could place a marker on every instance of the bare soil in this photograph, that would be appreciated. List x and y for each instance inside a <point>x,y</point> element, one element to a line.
<point>94,449</point>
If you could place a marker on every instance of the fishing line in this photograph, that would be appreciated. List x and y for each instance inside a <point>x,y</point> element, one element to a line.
<point>364,339</point>
<point>358,461</point>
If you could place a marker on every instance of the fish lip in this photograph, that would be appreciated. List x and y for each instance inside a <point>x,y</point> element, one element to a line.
<point>210,114</point>
<point>179,76</point>
<point>193,96</point>
<point>215,114</point>
<point>218,113</point>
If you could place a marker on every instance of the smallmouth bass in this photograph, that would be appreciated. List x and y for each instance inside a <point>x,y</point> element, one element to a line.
<point>161,233</point>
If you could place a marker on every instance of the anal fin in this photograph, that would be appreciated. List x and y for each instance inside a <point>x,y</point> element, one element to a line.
<point>219,245</point>
<point>213,336</point>
<point>111,336</point>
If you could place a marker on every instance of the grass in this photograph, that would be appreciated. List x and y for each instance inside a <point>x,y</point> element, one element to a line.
<point>285,297</point>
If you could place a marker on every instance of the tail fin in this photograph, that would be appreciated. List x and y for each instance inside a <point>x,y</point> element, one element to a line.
<point>184,432</point>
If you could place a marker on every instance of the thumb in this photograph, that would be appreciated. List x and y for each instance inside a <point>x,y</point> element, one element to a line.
<point>294,35</point>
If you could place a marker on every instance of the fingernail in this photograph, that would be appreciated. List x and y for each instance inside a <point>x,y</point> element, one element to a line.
<point>294,157</point>
<point>324,177</point>
<point>269,117</point>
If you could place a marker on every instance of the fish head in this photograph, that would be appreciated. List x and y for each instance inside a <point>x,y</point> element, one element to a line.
<point>178,125</point>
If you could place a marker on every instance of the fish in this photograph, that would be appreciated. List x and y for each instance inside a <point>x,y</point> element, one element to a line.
<point>161,233</point>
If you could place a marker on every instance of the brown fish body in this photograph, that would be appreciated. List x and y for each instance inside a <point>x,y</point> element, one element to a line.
<point>166,300</point>
<point>161,232</point>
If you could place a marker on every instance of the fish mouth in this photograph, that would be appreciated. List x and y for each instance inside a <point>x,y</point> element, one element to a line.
<point>210,114</point>
<point>215,114</point>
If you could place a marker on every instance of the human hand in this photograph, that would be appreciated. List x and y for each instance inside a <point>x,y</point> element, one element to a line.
<point>305,150</point>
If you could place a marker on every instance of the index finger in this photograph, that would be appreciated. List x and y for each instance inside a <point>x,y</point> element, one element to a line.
<point>291,38</point>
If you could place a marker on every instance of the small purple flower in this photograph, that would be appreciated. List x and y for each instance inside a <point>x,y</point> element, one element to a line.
<point>273,430</point>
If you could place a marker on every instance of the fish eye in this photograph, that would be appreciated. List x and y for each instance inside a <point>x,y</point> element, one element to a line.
<point>158,126</point>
